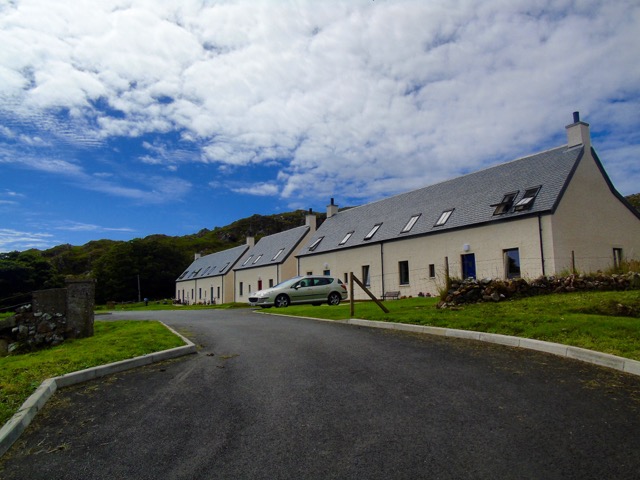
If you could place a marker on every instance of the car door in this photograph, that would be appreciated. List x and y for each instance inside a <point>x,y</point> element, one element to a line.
<point>321,287</point>
<point>302,291</point>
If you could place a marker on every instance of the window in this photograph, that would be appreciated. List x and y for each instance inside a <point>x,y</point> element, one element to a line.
<point>247,260</point>
<point>512,263</point>
<point>527,201</point>
<point>270,282</point>
<point>444,217</point>
<point>218,296</point>
<point>403,268</point>
<point>412,221</point>
<point>326,272</point>
<point>183,275</point>
<point>505,205</point>
<point>346,277</point>
<point>240,288</point>
<point>256,260</point>
<point>346,238</point>
<point>373,231</point>
<point>309,273</point>
<point>432,270</point>
<point>225,266</point>
<point>315,244</point>
<point>617,258</point>
<point>200,294</point>
<point>277,254</point>
<point>366,278</point>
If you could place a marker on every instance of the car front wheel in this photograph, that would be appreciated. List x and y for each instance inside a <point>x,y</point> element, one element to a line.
<point>282,301</point>
<point>334,298</point>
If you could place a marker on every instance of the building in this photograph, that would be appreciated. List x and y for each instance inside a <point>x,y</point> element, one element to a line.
<point>548,213</point>
<point>209,279</point>
<point>271,260</point>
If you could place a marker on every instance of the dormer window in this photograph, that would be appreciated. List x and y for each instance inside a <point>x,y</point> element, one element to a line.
<point>277,254</point>
<point>505,205</point>
<point>346,238</point>
<point>373,231</point>
<point>315,244</point>
<point>247,260</point>
<point>527,201</point>
<point>256,260</point>
<point>444,217</point>
<point>412,221</point>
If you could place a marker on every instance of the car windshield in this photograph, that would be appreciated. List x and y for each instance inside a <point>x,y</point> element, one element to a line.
<point>288,282</point>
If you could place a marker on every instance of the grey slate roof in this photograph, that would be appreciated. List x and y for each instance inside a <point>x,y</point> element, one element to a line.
<point>268,247</point>
<point>471,196</point>
<point>213,265</point>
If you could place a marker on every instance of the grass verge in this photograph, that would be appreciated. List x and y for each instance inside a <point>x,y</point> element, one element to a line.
<point>602,321</point>
<point>20,375</point>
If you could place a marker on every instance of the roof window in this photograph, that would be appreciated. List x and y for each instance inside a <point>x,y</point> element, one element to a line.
<point>373,231</point>
<point>277,254</point>
<point>225,266</point>
<point>505,205</point>
<point>412,221</point>
<point>247,260</point>
<point>256,260</point>
<point>346,238</point>
<point>315,244</point>
<point>444,216</point>
<point>527,201</point>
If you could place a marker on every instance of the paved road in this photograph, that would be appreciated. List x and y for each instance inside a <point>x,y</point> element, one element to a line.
<point>280,398</point>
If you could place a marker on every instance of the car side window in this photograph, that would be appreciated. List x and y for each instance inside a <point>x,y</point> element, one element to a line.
<point>322,281</point>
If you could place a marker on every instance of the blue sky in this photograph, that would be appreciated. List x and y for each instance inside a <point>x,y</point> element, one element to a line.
<point>125,118</point>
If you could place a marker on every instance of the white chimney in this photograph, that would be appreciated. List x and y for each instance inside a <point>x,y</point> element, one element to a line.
<point>251,241</point>
<point>196,256</point>
<point>578,133</point>
<point>332,209</point>
<point>310,221</point>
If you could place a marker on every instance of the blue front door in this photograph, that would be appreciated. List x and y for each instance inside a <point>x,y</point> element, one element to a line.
<point>469,265</point>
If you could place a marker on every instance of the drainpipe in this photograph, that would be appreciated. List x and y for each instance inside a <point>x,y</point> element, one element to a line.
<point>541,244</point>
<point>382,264</point>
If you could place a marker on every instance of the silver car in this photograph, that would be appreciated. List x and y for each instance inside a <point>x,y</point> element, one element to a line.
<point>314,289</point>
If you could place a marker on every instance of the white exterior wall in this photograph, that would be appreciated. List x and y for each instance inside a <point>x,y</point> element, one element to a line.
<point>487,242</point>
<point>250,278</point>
<point>590,222</point>
<point>199,290</point>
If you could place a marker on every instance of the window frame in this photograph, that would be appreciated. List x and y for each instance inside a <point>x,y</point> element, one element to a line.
<point>516,262</point>
<point>527,200</point>
<point>346,238</point>
<point>373,231</point>
<point>507,202</point>
<point>257,259</point>
<point>444,217</point>
<point>411,223</point>
<point>315,244</point>
<point>275,257</point>
<point>403,268</point>
<point>247,260</point>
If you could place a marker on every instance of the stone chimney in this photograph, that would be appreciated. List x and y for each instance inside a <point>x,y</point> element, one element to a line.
<point>196,256</point>
<point>332,209</point>
<point>578,133</point>
<point>310,221</point>
<point>251,241</point>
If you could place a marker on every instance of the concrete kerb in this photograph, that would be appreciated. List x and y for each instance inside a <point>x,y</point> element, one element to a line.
<point>622,364</point>
<point>11,431</point>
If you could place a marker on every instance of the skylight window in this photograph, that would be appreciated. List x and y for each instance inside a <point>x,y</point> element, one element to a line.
<point>256,260</point>
<point>225,266</point>
<point>183,275</point>
<point>315,244</point>
<point>247,260</point>
<point>346,238</point>
<point>373,231</point>
<point>277,254</point>
<point>505,205</point>
<point>444,216</point>
<point>412,221</point>
<point>527,201</point>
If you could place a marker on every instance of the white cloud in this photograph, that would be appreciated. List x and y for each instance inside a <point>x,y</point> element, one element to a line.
<point>19,240</point>
<point>71,226</point>
<point>360,99</point>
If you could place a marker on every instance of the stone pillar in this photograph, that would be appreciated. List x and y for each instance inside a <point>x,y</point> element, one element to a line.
<point>80,306</point>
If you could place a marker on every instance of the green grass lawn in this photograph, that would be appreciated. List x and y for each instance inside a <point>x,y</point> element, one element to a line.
<point>20,375</point>
<point>589,320</point>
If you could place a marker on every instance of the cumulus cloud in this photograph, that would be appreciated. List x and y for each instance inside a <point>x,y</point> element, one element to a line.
<point>361,98</point>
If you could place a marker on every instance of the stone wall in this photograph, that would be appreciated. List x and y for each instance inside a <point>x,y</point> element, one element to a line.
<point>490,290</point>
<point>53,316</point>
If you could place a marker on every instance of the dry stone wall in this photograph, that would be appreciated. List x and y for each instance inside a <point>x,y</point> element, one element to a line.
<point>491,290</point>
<point>52,317</point>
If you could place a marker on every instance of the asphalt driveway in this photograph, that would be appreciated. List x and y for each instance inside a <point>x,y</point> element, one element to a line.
<point>271,397</point>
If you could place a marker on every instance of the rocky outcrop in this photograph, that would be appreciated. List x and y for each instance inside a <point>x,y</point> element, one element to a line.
<point>491,290</point>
